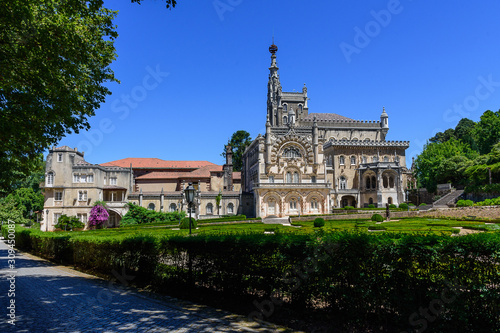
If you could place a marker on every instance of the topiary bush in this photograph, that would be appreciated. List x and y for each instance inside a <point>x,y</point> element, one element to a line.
<point>423,204</point>
<point>319,222</point>
<point>393,206</point>
<point>185,223</point>
<point>403,205</point>
<point>377,218</point>
<point>371,206</point>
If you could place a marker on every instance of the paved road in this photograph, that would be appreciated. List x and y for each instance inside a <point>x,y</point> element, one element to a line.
<point>50,298</point>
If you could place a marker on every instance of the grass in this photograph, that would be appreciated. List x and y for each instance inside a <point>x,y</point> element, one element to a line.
<point>403,225</point>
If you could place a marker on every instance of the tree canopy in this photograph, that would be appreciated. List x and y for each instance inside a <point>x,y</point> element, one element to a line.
<point>54,62</point>
<point>465,155</point>
<point>239,141</point>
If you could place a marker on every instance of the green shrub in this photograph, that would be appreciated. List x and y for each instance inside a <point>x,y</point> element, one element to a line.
<point>139,215</point>
<point>68,223</point>
<point>319,222</point>
<point>423,204</point>
<point>348,207</point>
<point>393,206</point>
<point>403,205</point>
<point>371,206</point>
<point>377,218</point>
<point>465,203</point>
<point>185,223</point>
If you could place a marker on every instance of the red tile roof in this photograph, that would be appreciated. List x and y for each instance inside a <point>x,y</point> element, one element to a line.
<point>203,172</point>
<point>156,163</point>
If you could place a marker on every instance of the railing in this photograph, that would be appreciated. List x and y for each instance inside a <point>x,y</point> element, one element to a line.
<point>292,185</point>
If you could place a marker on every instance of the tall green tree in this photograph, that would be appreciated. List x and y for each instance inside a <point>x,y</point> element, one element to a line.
<point>54,63</point>
<point>240,140</point>
<point>443,162</point>
<point>464,131</point>
<point>487,131</point>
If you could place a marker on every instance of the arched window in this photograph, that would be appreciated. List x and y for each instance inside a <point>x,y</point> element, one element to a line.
<point>385,182</point>
<point>391,182</point>
<point>370,201</point>
<point>291,152</point>
<point>367,139</point>
<point>230,208</point>
<point>50,179</point>
<point>329,161</point>
<point>386,159</point>
<point>353,160</point>
<point>341,160</point>
<point>172,207</point>
<point>151,206</point>
<point>300,108</point>
<point>364,159</point>
<point>343,183</point>
<point>285,107</point>
<point>288,177</point>
<point>374,182</point>
<point>374,159</point>
<point>314,204</point>
<point>295,177</point>
<point>354,139</point>
<point>210,208</point>
<point>285,120</point>
<point>368,185</point>
<point>293,204</point>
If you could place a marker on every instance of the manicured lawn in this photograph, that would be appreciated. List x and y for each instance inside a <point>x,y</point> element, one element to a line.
<point>408,225</point>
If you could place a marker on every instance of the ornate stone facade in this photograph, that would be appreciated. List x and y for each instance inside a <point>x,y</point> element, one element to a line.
<point>309,163</point>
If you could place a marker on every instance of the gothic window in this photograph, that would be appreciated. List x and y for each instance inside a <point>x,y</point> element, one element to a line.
<point>172,207</point>
<point>50,179</point>
<point>288,177</point>
<point>343,183</point>
<point>374,159</point>
<point>293,204</point>
<point>364,159</point>
<point>391,182</point>
<point>285,120</point>
<point>291,152</point>
<point>313,179</point>
<point>386,183</point>
<point>368,185</point>
<point>295,177</point>
<point>341,160</point>
<point>271,179</point>
<point>386,159</point>
<point>353,160</point>
<point>230,208</point>
<point>329,161</point>
<point>374,182</point>
<point>314,204</point>
<point>151,206</point>
<point>284,107</point>
<point>209,208</point>
<point>300,108</point>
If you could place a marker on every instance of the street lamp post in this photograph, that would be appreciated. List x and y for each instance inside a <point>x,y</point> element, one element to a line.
<point>189,193</point>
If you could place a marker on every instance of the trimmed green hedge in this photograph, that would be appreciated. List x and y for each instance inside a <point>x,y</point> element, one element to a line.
<point>358,279</point>
<point>225,219</point>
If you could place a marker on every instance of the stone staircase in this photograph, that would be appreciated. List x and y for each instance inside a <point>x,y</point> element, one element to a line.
<point>450,198</point>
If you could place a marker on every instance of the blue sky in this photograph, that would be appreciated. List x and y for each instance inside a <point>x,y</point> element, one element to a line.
<point>193,75</point>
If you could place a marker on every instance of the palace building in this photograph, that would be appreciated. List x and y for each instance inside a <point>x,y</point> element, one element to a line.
<point>305,163</point>
<point>310,163</point>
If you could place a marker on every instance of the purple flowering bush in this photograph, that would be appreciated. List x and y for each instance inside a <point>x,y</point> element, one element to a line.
<point>98,216</point>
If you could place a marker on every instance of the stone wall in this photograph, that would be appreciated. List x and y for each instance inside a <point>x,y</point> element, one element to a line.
<point>486,212</point>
